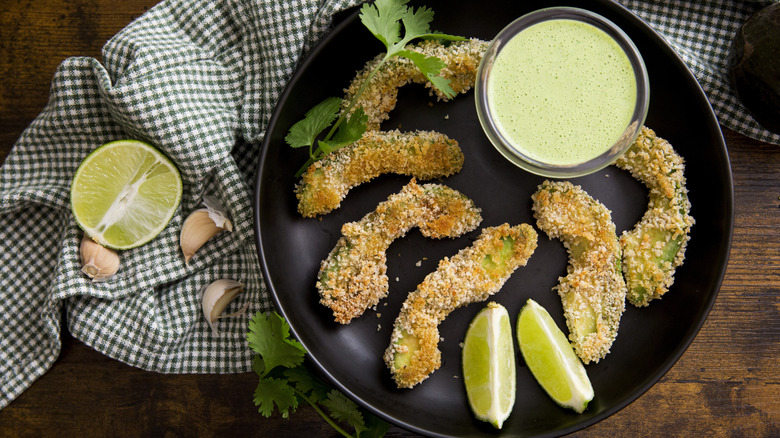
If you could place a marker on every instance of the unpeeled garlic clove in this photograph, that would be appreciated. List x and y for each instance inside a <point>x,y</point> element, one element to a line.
<point>201,225</point>
<point>98,262</point>
<point>216,296</point>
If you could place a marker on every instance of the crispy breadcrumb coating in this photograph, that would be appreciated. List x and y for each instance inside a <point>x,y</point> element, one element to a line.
<point>654,249</point>
<point>470,276</point>
<point>593,292</point>
<point>422,154</point>
<point>462,60</point>
<point>354,275</point>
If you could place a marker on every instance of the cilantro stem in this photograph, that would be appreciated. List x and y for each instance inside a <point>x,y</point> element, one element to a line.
<point>322,413</point>
<point>304,167</point>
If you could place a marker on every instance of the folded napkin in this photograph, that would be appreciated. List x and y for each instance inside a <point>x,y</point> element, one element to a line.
<point>198,79</point>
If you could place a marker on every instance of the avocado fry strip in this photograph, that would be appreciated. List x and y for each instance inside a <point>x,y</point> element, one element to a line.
<point>354,275</point>
<point>470,276</point>
<point>593,292</point>
<point>461,59</point>
<point>422,154</point>
<point>655,247</point>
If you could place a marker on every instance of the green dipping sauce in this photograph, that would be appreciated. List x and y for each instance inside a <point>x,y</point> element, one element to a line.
<point>562,92</point>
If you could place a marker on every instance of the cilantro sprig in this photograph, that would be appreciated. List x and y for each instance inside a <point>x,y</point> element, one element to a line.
<point>285,381</point>
<point>384,19</point>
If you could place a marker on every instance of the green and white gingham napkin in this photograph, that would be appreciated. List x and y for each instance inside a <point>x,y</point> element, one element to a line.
<point>198,79</point>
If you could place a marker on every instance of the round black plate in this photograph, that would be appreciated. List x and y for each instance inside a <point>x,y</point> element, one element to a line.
<point>650,339</point>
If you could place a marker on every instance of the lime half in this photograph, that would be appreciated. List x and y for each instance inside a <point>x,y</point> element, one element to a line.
<point>489,365</point>
<point>125,193</point>
<point>551,358</point>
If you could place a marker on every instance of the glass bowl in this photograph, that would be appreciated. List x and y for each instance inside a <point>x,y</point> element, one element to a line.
<point>567,123</point>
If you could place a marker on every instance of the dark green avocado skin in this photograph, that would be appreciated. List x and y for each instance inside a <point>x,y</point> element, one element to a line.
<point>754,66</point>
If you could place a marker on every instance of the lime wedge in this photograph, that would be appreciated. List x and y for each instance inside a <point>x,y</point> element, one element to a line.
<point>125,193</point>
<point>551,358</point>
<point>489,365</point>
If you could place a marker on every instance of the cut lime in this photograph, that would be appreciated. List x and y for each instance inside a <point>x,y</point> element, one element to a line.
<point>489,365</point>
<point>551,358</point>
<point>125,193</point>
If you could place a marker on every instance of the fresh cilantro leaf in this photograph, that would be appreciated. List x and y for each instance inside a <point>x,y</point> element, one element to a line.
<point>416,23</point>
<point>306,383</point>
<point>305,131</point>
<point>323,148</point>
<point>430,66</point>
<point>347,133</point>
<point>344,409</point>
<point>442,84</point>
<point>347,411</point>
<point>270,392</point>
<point>285,382</point>
<point>375,426</point>
<point>302,379</point>
<point>382,19</point>
<point>269,336</point>
<point>351,130</point>
<point>258,365</point>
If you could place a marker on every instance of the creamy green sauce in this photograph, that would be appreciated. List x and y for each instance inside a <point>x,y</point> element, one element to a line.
<point>562,91</point>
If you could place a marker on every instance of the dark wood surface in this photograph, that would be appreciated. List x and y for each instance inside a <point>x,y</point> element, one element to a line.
<point>726,384</point>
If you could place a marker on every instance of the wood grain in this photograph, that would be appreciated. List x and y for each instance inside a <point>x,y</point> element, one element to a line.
<point>726,384</point>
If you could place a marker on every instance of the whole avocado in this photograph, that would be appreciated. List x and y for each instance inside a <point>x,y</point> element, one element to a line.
<point>754,66</point>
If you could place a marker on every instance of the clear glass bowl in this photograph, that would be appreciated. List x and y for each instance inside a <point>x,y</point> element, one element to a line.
<point>504,145</point>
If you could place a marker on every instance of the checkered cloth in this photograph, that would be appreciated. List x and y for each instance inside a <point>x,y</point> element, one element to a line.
<point>199,79</point>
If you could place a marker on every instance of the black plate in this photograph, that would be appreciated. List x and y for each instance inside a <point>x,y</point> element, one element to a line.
<point>650,340</point>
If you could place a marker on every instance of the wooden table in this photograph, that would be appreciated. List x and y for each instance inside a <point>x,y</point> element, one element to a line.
<point>726,384</point>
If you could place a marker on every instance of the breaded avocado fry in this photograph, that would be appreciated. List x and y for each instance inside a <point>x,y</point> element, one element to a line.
<point>461,59</point>
<point>655,247</point>
<point>422,154</point>
<point>593,292</point>
<point>353,276</point>
<point>470,276</point>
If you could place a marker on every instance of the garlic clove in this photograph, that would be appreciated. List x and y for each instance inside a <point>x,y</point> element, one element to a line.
<point>217,212</point>
<point>201,225</point>
<point>216,296</point>
<point>197,229</point>
<point>98,262</point>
